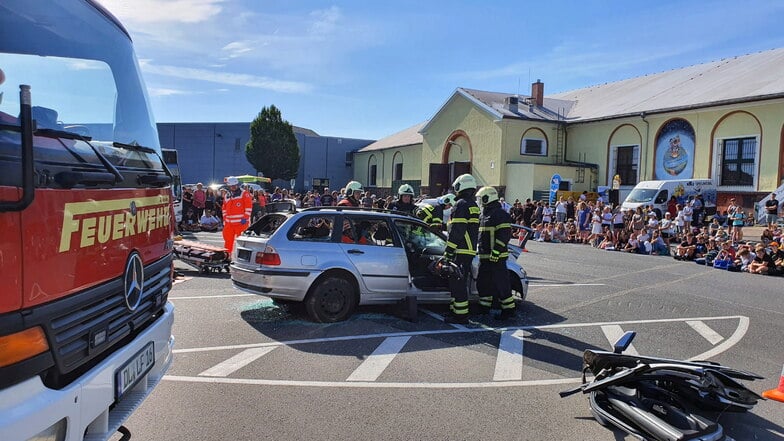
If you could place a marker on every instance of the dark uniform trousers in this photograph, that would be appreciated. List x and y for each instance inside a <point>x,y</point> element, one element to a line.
<point>493,283</point>
<point>460,285</point>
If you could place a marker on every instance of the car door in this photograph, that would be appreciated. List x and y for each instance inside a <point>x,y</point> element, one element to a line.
<point>376,255</point>
<point>423,247</point>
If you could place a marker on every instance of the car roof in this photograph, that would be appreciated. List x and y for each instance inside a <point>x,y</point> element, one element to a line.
<point>362,211</point>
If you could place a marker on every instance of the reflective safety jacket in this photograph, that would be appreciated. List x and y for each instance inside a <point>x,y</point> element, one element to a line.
<point>432,215</point>
<point>398,205</point>
<point>463,227</point>
<point>348,202</point>
<point>238,205</point>
<point>495,230</point>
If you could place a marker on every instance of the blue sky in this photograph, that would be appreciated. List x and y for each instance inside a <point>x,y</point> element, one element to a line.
<point>367,69</point>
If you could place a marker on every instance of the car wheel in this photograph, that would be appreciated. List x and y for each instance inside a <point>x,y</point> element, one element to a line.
<point>332,300</point>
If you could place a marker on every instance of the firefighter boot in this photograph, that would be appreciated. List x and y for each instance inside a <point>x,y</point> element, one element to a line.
<point>460,319</point>
<point>506,314</point>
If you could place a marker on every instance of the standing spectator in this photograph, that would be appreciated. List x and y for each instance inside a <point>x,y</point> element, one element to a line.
<point>528,212</point>
<point>638,223</point>
<point>277,194</point>
<point>738,219</point>
<point>618,224</point>
<point>547,213</point>
<point>607,219</point>
<point>772,211</point>
<point>698,206</point>
<point>538,212</point>
<point>666,228</point>
<point>653,223</point>
<point>672,207</point>
<point>209,204</point>
<point>199,199</point>
<point>688,216</point>
<point>583,221</point>
<point>560,210</point>
<point>570,208</point>
<point>327,199</point>
<point>367,200</point>
<point>596,228</point>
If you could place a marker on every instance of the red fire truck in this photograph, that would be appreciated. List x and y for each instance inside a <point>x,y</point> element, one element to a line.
<point>86,225</point>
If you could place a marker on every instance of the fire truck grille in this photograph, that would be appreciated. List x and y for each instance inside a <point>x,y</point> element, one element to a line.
<point>100,319</point>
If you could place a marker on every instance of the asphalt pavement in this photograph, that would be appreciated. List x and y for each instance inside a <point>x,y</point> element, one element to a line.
<point>246,370</point>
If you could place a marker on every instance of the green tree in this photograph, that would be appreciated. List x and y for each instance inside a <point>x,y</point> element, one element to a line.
<point>272,148</point>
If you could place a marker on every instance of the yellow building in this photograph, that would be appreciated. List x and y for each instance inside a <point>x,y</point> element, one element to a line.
<point>722,121</point>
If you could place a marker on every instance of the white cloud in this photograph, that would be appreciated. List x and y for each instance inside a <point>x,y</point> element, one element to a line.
<point>162,11</point>
<point>237,48</point>
<point>234,79</point>
<point>162,91</point>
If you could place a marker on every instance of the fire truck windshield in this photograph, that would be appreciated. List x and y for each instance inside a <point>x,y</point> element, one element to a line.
<point>84,79</point>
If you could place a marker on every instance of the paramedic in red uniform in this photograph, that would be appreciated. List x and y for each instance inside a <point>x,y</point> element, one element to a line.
<point>237,207</point>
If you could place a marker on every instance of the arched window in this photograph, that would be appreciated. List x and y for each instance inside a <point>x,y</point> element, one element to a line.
<point>397,167</point>
<point>372,171</point>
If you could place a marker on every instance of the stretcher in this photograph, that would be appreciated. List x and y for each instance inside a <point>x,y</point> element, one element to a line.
<point>203,257</point>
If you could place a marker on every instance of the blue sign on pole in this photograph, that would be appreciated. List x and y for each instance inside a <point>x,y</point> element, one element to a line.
<point>555,184</point>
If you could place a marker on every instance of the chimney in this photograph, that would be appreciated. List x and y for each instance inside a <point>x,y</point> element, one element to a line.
<point>510,103</point>
<point>537,92</point>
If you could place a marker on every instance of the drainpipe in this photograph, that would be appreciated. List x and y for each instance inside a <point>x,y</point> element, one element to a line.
<point>647,133</point>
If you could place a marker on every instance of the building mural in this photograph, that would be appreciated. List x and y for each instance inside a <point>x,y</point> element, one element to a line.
<point>675,151</point>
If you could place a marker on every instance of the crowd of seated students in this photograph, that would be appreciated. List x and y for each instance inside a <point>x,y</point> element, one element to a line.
<point>716,242</point>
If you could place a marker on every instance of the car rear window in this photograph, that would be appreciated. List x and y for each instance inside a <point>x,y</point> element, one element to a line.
<point>267,225</point>
<point>313,229</point>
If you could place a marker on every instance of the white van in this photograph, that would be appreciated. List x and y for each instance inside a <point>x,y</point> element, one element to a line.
<point>658,193</point>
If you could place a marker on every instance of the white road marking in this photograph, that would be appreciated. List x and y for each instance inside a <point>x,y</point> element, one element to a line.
<point>212,297</point>
<point>371,384</point>
<point>736,336</point>
<point>739,333</point>
<point>704,330</point>
<point>613,333</point>
<point>235,363</point>
<point>374,365</point>
<point>509,359</point>
<point>540,285</point>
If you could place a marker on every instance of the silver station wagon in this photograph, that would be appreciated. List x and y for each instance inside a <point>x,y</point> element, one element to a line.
<point>334,259</point>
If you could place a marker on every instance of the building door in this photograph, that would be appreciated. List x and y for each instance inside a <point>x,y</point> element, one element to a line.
<point>457,169</point>
<point>439,179</point>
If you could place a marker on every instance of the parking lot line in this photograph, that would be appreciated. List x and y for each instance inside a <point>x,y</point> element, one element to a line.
<point>509,358</point>
<point>375,363</point>
<point>704,330</point>
<point>237,362</point>
<point>613,333</point>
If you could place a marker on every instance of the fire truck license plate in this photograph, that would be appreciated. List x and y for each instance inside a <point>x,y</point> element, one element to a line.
<point>134,370</point>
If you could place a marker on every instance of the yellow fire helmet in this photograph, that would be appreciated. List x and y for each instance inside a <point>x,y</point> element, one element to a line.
<point>485,195</point>
<point>464,182</point>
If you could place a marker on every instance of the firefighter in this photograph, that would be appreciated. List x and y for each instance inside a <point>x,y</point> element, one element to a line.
<point>353,192</point>
<point>433,214</point>
<point>495,230</point>
<point>404,201</point>
<point>461,246</point>
<point>237,208</point>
